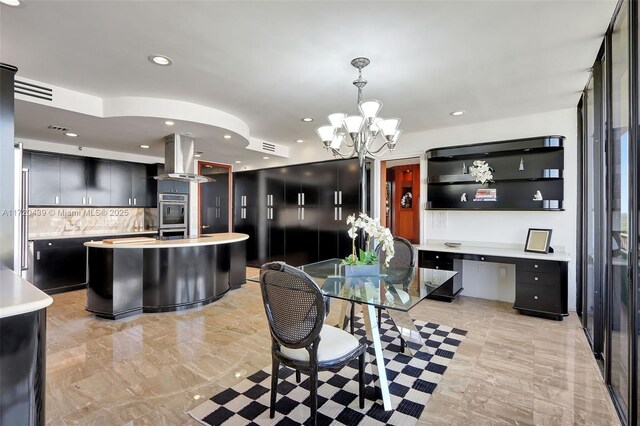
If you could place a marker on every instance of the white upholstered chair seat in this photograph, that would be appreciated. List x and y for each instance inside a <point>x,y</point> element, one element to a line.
<point>334,344</point>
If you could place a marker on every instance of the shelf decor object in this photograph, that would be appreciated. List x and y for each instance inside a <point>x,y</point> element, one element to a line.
<point>362,129</point>
<point>499,166</point>
<point>482,172</point>
<point>538,240</point>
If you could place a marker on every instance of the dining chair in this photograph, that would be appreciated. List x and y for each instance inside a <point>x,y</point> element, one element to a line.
<point>401,270</point>
<point>296,309</point>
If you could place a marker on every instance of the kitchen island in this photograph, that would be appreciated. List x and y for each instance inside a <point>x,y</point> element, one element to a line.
<point>162,275</point>
<point>23,333</point>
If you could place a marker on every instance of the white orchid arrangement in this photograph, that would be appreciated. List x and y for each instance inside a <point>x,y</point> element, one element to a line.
<point>374,231</point>
<point>482,172</point>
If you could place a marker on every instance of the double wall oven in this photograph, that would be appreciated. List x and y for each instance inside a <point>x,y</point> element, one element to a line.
<point>173,215</point>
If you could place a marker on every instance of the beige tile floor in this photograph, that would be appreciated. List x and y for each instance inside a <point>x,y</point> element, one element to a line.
<point>152,368</point>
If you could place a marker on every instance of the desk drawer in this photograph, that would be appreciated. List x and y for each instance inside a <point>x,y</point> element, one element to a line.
<point>437,264</point>
<point>538,298</point>
<point>538,266</point>
<point>537,278</point>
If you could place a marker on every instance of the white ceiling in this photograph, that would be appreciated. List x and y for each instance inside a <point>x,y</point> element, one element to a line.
<point>271,63</point>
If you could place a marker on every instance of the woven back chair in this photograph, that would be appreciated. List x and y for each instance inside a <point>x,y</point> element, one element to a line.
<point>402,265</point>
<point>296,308</point>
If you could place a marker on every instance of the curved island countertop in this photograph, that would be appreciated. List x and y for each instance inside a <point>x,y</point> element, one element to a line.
<point>128,278</point>
<point>205,240</point>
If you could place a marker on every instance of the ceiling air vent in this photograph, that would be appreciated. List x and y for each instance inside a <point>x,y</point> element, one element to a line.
<point>33,90</point>
<point>58,128</point>
<point>269,147</point>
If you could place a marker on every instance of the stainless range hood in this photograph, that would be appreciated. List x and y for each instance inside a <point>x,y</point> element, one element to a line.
<point>179,151</point>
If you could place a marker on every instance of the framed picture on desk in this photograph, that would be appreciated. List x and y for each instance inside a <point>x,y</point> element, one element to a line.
<point>538,240</point>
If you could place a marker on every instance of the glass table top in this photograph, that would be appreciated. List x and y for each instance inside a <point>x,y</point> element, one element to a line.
<point>392,288</point>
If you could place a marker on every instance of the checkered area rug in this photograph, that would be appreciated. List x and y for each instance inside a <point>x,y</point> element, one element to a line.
<point>412,380</point>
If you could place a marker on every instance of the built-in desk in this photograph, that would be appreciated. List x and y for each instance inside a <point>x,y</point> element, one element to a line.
<point>541,279</point>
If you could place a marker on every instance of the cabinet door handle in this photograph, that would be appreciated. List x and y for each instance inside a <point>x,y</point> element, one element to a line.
<point>299,203</point>
<point>535,266</point>
<point>340,197</point>
<point>38,255</point>
<point>303,198</point>
<point>482,258</point>
<point>84,200</point>
<point>134,202</point>
<point>335,197</point>
<point>298,213</point>
<point>535,297</point>
<point>339,213</point>
<point>89,200</point>
<point>303,213</point>
<point>49,244</point>
<point>437,257</point>
<point>335,213</point>
<point>536,278</point>
<point>57,199</point>
<point>129,201</point>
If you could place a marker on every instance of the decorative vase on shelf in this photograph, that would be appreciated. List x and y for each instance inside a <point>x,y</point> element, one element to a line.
<point>362,271</point>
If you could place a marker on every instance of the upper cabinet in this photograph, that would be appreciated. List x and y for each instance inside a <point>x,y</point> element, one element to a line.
<point>527,174</point>
<point>81,181</point>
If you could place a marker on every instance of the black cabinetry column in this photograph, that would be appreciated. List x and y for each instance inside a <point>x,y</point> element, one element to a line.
<point>7,168</point>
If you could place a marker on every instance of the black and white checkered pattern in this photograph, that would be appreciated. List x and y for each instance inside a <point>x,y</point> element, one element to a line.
<point>412,380</point>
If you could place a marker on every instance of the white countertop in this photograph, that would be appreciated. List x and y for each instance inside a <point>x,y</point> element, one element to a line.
<point>206,240</point>
<point>18,296</point>
<point>494,250</point>
<point>90,235</point>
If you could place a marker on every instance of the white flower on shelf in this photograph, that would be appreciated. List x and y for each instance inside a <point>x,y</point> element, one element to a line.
<point>482,171</point>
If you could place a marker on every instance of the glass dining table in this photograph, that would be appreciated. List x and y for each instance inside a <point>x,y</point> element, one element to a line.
<point>395,290</point>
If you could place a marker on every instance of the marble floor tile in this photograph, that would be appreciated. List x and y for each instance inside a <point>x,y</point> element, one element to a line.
<point>151,369</point>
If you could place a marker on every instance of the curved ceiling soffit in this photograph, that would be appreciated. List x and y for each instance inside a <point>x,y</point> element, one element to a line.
<point>173,109</point>
<point>132,106</point>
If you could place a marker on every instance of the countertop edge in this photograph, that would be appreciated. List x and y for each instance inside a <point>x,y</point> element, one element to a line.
<point>188,242</point>
<point>496,251</point>
<point>36,298</point>
<point>102,234</point>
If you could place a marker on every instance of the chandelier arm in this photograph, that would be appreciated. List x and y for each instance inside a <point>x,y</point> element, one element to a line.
<point>341,155</point>
<point>379,150</point>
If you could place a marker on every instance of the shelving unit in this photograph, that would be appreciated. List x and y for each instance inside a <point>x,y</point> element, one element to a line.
<point>521,167</point>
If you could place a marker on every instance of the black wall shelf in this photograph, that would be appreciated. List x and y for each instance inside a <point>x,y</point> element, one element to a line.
<point>521,168</point>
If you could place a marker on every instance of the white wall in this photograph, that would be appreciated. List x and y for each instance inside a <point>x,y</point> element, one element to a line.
<point>496,226</point>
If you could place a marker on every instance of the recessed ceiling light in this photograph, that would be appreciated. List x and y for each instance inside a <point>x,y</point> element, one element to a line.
<point>307,119</point>
<point>456,113</point>
<point>169,123</point>
<point>238,161</point>
<point>160,60</point>
<point>11,2</point>
<point>227,136</point>
<point>300,140</point>
<point>265,158</point>
<point>71,135</point>
<point>144,146</point>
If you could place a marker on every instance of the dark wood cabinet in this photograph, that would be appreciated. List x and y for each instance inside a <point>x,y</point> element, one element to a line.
<point>522,169</point>
<point>541,285</point>
<point>246,209</point>
<point>121,184</point>
<point>73,186</point>
<point>298,213</point>
<point>82,181</point>
<point>301,215</point>
<point>275,211</point>
<point>59,264</point>
<point>141,186</point>
<point>98,182</point>
<point>44,180</point>
<point>173,186</point>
